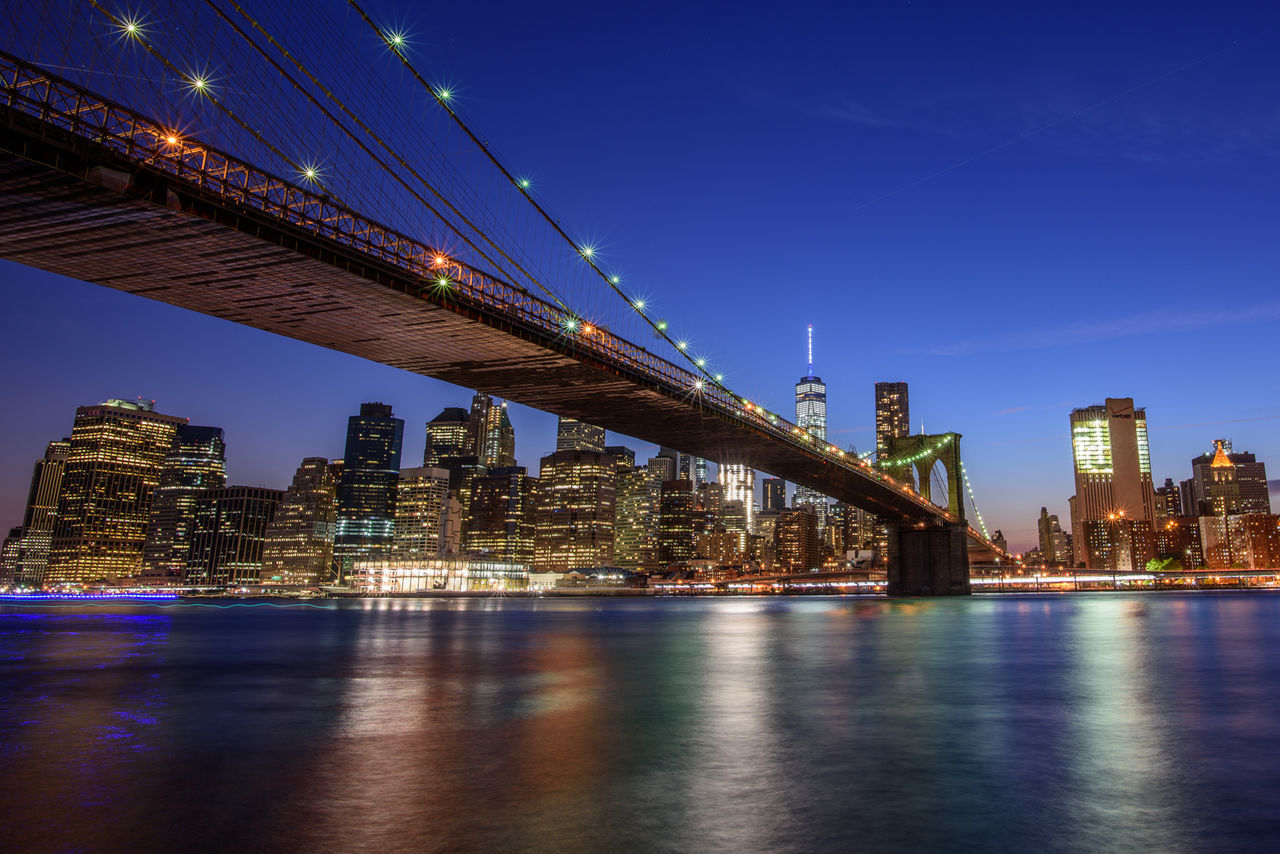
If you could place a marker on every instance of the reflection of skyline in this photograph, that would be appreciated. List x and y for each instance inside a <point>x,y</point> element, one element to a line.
<point>1012,723</point>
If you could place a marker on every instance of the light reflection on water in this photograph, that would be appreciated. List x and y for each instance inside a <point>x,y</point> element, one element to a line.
<point>1083,722</point>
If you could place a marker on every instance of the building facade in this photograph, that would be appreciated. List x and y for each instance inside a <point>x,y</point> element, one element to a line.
<point>229,533</point>
<point>575,518</point>
<point>299,543</point>
<point>367,489</point>
<point>114,461</point>
<point>196,462</point>
<point>1112,474</point>
<point>1223,483</point>
<point>811,416</point>
<point>503,516</point>
<point>575,435</point>
<point>42,507</point>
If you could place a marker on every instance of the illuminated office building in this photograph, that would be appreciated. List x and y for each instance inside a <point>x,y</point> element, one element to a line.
<point>299,543</point>
<point>575,519</point>
<point>367,489</point>
<point>1053,540</point>
<point>811,416</point>
<point>775,494</point>
<point>113,465</point>
<point>228,534</point>
<point>693,469</point>
<point>196,462</point>
<point>575,435</point>
<point>893,415</point>
<point>635,513</point>
<point>797,543</point>
<point>448,436</point>
<point>676,522</point>
<point>503,515</point>
<point>738,483</point>
<point>1113,480</point>
<point>492,435</point>
<point>1224,483</point>
<point>42,506</point>
<point>420,496</point>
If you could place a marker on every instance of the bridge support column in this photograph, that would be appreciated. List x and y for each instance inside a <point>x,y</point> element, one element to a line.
<point>932,561</point>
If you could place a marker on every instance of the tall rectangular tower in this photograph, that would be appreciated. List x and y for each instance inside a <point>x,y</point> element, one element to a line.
<point>811,416</point>
<point>367,489</point>
<point>893,415</point>
<point>1112,468</point>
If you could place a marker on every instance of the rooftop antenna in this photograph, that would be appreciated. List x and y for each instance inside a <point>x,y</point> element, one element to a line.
<point>810,349</point>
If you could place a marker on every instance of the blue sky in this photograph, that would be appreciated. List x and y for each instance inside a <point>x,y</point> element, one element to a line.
<point>1017,208</point>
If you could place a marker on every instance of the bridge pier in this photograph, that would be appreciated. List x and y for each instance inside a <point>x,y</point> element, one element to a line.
<point>930,561</point>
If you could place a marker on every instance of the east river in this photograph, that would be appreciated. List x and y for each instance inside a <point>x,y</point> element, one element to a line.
<point>1084,722</point>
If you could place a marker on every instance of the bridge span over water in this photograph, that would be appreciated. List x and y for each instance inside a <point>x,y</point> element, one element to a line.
<point>93,190</point>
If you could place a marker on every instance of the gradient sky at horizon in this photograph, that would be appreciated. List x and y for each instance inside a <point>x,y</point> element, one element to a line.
<point>1017,208</point>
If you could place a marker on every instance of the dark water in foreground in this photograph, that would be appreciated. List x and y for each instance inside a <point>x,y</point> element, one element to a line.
<point>1087,722</point>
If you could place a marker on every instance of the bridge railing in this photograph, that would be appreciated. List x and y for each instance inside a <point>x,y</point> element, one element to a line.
<point>58,102</point>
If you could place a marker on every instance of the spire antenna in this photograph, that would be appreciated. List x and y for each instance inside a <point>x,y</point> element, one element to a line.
<point>810,349</point>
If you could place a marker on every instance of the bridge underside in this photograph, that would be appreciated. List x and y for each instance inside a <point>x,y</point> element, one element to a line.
<point>73,208</point>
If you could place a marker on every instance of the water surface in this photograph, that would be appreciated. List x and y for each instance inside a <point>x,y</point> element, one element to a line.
<point>1090,722</point>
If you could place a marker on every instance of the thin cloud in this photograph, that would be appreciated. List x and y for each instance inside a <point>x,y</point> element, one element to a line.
<point>1153,322</point>
<point>1011,410</point>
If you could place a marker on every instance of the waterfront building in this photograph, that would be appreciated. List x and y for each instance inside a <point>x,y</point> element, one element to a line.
<point>228,535</point>
<point>451,524</point>
<point>775,494</point>
<point>796,540</point>
<point>1178,538</point>
<point>42,506</point>
<point>11,556</point>
<point>1119,544</point>
<point>448,437</point>
<point>733,520</point>
<point>503,516</point>
<point>117,451</point>
<point>492,436</point>
<point>738,483</point>
<point>1112,476</point>
<point>675,522</point>
<point>721,547</point>
<point>811,416</point>
<point>1224,483</point>
<point>420,496</point>
<point>298,549</point>
<point>197,461</point>
<point>575,435</point>
<point>576,497</point>
<point>455,574</point>
<point>1241,541</point>
<point>367,489</point>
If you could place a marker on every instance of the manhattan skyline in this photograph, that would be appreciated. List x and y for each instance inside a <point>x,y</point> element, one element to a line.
<point>1017,219</point>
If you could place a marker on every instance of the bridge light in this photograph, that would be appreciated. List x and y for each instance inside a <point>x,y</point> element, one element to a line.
<point>396,39</point>
<point>586,329</point>
<point>719,377</point>
<point>702,363</point>
<point>662,326</point>
<point>682,345</point>
<point>171,139</point>
<point>570,324</point>
<point>310,172</point>
<point>523,183</point>
<point>587,251</point>
<point>443,282</point>
<point>697,384</point>
<point>444,94</point>
<point>639,304</point>
<point>439,261</point>
<point>131,27</point>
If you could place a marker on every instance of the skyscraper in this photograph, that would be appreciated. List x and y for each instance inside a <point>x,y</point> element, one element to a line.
<point>811,415</point>
<point>367,489</point>
<point>739,484</point>
<point>113,465</point>
<point>675,522</point>
<point>636,514</point>
<point>420,496</point>
<point>1113,476</point>
<point>448,436</point>
<point>299,544</point>
<point>228,533</point>
<point>893,415</point>
<point>503,515</point>
<point>575,435</point>
<point>196,462</point>
<point>492,435</point>
<point>775,494</point>
<point>796,540</point>
<point>42,506</point>
<point>1053,540</point>
<point>1224,483</point>
<point>693,469</point>
<point>576,495</point>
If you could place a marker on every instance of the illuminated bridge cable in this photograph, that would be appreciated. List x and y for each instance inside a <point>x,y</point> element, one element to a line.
<point>976,512</point>
<point>587,253</point>
<point>386,147</point>
<point>201,87</point>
